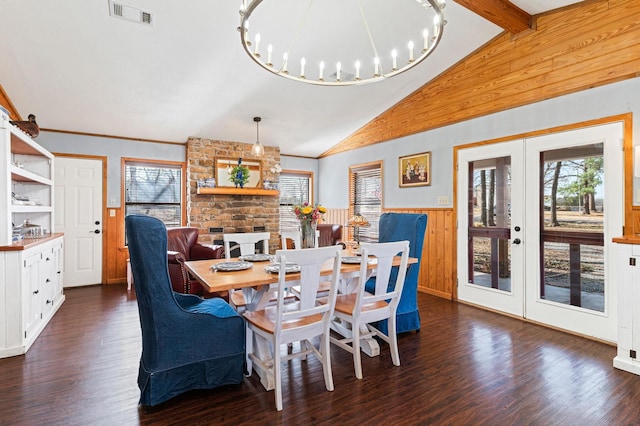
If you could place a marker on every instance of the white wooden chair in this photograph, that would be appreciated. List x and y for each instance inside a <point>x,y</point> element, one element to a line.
<point>246,241</point>
<point>302,320</point>
<point>294,235</point>
<point>362,308</point>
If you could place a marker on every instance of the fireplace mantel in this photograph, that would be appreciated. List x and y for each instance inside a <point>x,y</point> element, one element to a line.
<point>238,191</point>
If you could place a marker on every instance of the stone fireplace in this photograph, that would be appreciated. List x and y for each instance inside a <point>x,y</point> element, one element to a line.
<point>216,214</point>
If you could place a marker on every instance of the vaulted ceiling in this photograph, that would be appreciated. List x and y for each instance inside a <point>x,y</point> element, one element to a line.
<point>81,70</point>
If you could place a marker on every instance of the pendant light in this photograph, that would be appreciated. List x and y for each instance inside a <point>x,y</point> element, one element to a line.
<point>257,149</point>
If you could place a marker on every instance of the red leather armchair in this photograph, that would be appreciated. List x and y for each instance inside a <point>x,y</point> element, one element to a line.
<point>330,234</point>
<point>182,246</point>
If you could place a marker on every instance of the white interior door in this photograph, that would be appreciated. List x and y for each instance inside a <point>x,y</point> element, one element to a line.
<point>490,221</point>
<point>553,269</point>
<point>78,213</point>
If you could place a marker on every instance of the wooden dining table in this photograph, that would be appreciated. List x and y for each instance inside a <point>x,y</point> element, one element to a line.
<point>257,286</point>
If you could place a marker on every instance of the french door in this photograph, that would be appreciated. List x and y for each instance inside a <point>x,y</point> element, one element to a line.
<point>535,223</point>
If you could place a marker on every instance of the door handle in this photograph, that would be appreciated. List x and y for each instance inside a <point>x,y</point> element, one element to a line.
<point>97,231</point>
<point>516,241</point>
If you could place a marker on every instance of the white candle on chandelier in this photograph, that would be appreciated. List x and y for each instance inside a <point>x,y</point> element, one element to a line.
<point>411,51</point>
<point>269,52</point>
<point>394,55</point>
<point>321,70</point>
<point>338,66</point>
<point>425,35</point>
<point>302,63</point>
<point>255,48</point>
<point>357,70</point>
<point>376,66</point>
<point>436,26</point>
<point>285,57</point>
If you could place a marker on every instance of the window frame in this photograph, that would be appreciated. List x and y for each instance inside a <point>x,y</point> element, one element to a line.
<point>294,173</point>
<point>353,170</point>
<point>127,161</point>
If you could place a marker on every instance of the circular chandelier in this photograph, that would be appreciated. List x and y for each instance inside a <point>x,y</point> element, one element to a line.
<point>340,42</point>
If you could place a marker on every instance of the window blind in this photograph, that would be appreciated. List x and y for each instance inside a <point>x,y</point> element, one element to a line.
<point>295,188</point>
<point>366,197</point>
<point>154,190</point>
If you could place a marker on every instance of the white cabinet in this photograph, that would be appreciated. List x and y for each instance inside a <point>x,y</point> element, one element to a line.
<point>26,181</point>
<point>628,356</point>
<point>30,291</point>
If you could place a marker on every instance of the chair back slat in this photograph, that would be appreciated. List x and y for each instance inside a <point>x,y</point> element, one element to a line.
<point>310,262</point>
<point>246,241</point>
<point>384,290</point>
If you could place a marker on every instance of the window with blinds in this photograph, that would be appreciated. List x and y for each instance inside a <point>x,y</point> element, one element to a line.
<point>365,197</point>
<point>154,189</point>
<point>295,188</point>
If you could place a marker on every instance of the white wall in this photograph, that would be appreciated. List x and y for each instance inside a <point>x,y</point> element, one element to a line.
<point>613,99</point>
<point>114,150</point>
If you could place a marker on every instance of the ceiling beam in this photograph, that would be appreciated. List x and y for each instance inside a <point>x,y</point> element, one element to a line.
<point>503,13</point>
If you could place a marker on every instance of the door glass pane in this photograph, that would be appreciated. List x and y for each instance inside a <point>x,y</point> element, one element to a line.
<point>489,223</point>
<point>572,223</point>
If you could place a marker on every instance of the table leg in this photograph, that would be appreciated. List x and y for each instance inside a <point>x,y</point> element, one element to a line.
<point>259,358</point>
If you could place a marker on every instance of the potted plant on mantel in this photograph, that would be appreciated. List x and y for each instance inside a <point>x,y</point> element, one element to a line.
<point>239,174</point>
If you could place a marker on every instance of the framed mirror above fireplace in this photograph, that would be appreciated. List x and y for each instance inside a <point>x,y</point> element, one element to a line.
<point>223,166</point>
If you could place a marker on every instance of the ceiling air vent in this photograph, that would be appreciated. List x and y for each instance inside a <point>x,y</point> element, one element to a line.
<point>130,13</point>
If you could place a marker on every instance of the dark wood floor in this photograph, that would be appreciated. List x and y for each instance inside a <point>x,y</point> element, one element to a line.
<point>467,366</point>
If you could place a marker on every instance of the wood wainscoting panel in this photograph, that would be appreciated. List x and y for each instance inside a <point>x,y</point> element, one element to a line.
<point>117,253</point>
<point>437,269</point>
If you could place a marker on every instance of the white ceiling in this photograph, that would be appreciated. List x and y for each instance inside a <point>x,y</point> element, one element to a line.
<point>78,69</point>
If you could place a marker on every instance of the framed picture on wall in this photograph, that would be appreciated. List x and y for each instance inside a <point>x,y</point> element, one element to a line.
<point>414,170</point>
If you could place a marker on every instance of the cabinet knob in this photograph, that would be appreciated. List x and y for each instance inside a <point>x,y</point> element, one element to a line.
<point>48,301</point>
<point>47,280</point>
<point>47,259</point>
<point>36,292</point>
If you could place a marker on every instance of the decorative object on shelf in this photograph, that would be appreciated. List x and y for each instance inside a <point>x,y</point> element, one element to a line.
<point>30,126</point>
<point>207,183</point>
<point>257,149</point>
<point>419,19</point>
<point>239,175</point>
<point>414,170</point>
<point>356,222</point>
<point>272,181</point>
<point>308,217</point>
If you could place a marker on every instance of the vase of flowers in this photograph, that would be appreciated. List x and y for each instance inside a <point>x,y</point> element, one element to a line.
<point>308,216</point>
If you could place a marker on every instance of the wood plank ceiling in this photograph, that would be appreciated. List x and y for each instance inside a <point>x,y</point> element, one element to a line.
<point>572,49</point>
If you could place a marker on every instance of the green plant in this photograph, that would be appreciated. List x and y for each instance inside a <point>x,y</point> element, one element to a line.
<point>239,178</point>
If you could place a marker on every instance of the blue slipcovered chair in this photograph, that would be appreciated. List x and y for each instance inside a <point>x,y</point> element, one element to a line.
<point>399,227</point>
<point>187,342</point>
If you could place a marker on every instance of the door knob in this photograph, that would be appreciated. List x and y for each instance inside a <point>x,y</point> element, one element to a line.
<point>97,231</point>
<point>97,222</point>
<point>516,241</point>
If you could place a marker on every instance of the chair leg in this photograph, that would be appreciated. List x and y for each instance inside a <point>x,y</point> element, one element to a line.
<point>326,361</point>
<point>277,376</point>
<point>357,364</point>
<point>249,349</point>
<point>393,341</point>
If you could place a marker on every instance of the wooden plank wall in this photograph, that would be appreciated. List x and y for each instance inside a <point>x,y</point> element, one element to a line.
<point>438,268</point>
<point>576,48</point>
